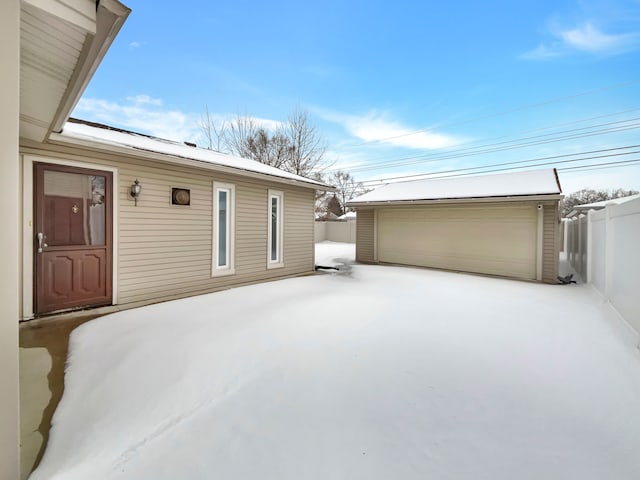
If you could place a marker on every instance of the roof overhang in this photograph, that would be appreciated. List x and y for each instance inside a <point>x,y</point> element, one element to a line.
<point>62,42</point>
<point>126,151</point>
<point>442,201</point>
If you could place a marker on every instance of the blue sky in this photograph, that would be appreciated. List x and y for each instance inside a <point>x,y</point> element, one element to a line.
<point>396,88</point>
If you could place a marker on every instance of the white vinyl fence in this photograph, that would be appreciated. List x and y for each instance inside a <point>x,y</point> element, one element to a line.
<point>336,231</point>
<point>604,248</point>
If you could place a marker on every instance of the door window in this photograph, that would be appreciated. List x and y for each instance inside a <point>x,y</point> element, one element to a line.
<point>74,208</point>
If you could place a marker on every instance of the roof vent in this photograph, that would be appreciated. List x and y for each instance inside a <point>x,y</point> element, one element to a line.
<point>190,144</point>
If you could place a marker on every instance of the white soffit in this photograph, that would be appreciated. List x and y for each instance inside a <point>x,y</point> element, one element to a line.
<point>79,13</point>
<point>61,45</point>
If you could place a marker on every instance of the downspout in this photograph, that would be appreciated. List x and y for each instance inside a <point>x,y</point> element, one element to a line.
<point>540,232</point>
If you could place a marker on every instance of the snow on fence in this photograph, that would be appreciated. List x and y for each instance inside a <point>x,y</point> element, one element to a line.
<point>336,231</point>
<point>602,247</point>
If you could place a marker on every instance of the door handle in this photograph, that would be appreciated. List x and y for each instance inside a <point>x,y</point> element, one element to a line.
<point>41,244</point>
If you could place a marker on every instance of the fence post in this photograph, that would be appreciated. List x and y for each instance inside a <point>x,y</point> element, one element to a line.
<point>609,251</point>
<point>580,252</point>
<point>589,247</point>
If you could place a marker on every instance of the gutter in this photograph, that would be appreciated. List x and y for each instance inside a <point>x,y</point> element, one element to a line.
<point>441,201</point>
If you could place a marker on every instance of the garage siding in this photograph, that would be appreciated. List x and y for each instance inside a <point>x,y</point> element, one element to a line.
<point>550,243</point>
<point>492,238</point>
<point>365,236</point>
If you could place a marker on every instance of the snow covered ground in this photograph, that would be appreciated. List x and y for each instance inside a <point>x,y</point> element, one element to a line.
<point>331,254</point>
<point>374,372</point>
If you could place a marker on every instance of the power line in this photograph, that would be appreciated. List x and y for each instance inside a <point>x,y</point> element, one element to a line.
<point>565,170</point>
<point>529,163</point>
<point>504,112</point>
<point>602,166</point>
<point>474,144</point>
<point>572,134</point>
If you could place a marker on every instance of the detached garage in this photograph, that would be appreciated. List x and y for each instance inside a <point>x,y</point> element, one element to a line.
<point>505,225</point>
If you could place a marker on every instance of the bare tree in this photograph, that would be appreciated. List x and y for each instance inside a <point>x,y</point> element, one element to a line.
<point>347,187</point>
<point>294,146</point>
<point>239,137</point>
<point>212,132</point>
<point>269,149</point>
<point>307,149</point>
<point>588,195</point>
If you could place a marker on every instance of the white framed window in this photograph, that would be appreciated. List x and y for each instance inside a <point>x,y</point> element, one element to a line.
<point>276,229</point>
<point>224,205</point>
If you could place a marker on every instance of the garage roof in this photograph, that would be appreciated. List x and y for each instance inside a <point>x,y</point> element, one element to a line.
<point>512,184</point>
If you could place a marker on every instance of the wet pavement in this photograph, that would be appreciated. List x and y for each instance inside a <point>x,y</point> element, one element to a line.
<point>43,352</point>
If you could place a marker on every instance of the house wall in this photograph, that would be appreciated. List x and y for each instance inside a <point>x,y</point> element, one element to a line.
<point>9,240</point>
<point>366,238</point>
<point>366,235</point>
<point>164,251</point>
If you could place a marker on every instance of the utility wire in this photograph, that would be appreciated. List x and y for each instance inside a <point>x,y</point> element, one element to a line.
<point>529,163</point>
<point>504,112</point>
<point>479,143</point>
<point>565,170</point>
<point>520,168</point>
<point>601,166</point>
<point>572,134</point>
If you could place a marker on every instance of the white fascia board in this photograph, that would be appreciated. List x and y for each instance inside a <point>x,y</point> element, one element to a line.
<point>515,198</point>
<point>108,21</point>
<point>81,14</point>
<point>59,139</point>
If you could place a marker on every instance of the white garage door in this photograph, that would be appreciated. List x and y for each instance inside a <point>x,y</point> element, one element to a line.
<point>492,239</point>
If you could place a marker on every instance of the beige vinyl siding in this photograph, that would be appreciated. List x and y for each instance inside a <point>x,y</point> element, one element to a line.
<point>365,235</point>
<point>491,238</point>
<point>165,251</point>
<point>550,243</point>
<point>298,230</point>
<point>509,228</point>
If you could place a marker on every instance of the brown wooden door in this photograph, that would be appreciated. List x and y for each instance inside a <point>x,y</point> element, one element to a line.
<point>73,237</point>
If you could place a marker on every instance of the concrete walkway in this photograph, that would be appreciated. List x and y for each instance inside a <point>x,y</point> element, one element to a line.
<point>43,353</point>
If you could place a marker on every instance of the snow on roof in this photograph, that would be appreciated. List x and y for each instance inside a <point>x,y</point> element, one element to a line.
<point>105,135</point>
<point>604,203</point>
<point>532,182</point>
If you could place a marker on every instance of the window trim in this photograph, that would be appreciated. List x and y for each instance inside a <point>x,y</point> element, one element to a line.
<point>279,261</point>
<point>229,268</point>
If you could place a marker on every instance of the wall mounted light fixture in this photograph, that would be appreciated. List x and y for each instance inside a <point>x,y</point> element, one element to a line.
<point>135,191</point>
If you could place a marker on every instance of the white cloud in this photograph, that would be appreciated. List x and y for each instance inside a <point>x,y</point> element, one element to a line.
<point>145,100</point>
<point>143,114</point>
<point>588,38</point>
<point>135,44</point>
<point>541,52</point>
<point>585,38</point>
<point>377,128</point>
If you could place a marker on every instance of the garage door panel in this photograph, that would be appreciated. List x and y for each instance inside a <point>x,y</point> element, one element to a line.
<point>496,240</point>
